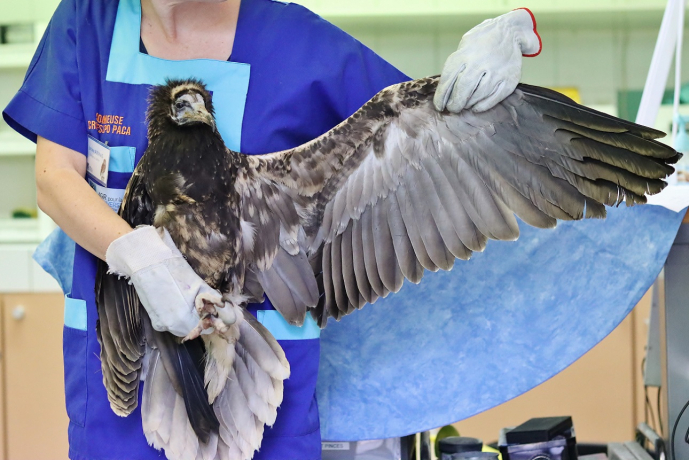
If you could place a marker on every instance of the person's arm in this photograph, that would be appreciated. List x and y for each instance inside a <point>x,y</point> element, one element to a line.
<point>67,198</point>
<point>145,256</point>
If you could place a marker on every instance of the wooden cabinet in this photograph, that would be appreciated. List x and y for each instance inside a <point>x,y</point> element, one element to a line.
<point>35,421</point>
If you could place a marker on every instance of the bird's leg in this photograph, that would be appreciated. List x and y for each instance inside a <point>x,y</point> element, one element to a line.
<point>228,315</point>
<point>206,305</point>
<point>225,321</point>
<point>216,315</point>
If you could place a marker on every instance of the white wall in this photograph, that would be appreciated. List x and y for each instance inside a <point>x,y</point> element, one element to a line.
<point>17,185</point>
<point>598,60</point>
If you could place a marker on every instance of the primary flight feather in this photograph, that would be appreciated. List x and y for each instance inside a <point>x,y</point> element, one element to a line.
<point>396,189</point>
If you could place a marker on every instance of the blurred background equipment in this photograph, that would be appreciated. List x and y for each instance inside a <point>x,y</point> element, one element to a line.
<point>682,145</point>
<point>404,448</point>
<point>449,446</point>
<point>540,438</point>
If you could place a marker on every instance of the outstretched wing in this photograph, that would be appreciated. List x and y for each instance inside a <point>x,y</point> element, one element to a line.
<point>399,187</point>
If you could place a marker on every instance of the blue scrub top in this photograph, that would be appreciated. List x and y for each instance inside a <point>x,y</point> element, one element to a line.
<point>306,76</point>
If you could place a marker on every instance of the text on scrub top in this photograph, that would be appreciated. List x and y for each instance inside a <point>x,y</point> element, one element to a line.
<point>109,124</point>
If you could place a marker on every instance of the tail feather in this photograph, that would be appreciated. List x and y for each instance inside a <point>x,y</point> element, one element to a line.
<point>268,388</point>
<point>257,405</point>
<point>263,347</point>
<point>188,381</point>
<point>209,451</point>
<point>183,442</point>
<point>240,391</point>
<point>220,356</point>
<point>158,397</point>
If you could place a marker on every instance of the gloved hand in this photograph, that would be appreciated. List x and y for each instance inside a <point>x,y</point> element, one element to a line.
<point>487,66</point>
<point>169,289</point>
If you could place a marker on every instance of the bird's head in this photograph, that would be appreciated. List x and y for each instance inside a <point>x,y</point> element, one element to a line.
<point>182,102</point>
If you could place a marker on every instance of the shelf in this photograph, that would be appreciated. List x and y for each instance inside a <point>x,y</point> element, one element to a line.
<point>16,231</point>
<point>16,56</point>
<point>363,8</point>
<point>25,231</point>
<point>14,144</point>
<point>461,15</point>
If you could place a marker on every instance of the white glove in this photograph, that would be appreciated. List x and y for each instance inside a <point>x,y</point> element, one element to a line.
<point>168,287</point>
<point>487,66</point>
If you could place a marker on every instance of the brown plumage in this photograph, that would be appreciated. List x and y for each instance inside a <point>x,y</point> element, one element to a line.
<point>191,404</point>
<point>341,221</point>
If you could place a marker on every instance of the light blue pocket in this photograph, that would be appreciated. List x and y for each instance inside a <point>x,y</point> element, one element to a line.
<point>122,159</point>
<point>282,330</point>
<point>75,313</point>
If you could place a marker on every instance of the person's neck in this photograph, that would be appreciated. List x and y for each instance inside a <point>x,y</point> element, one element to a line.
<point>179,29</point>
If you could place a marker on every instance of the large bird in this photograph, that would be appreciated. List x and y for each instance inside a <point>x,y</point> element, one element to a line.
<point>396,189</point>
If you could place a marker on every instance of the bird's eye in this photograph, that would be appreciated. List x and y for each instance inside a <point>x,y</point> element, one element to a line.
<point>179,105</point>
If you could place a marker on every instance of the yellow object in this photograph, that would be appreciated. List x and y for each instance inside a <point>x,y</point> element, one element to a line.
<point>490,449</point>
<point>569,91</point>
<point>445,432</point>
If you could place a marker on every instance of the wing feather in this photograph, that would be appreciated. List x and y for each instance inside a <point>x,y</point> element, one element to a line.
<point>415,233</point>
<point>119,333</point>
<point>484,208</point>
<point>404,251</point>
<point>386,260</point>
<point>439,212</point>
<point>369,250</point>
<point>348,273</point>
<point>430,234</point>
<point>466,230</point>
<point>362,280</point>
<point>399,187</point>
<point>339,294</point>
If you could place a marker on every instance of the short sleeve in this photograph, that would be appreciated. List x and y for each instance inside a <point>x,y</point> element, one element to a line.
<point>365,75</point>
<point>313,81</point>
<point>361,74</point>
<point>48,104</point>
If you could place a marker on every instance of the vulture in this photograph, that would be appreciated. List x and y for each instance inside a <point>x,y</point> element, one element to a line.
<point>394,191</point>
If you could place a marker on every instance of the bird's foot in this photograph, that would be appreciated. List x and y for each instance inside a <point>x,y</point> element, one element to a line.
<point>213,316</point>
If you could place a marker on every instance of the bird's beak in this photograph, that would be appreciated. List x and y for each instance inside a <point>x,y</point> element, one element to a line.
<point>199,113</point>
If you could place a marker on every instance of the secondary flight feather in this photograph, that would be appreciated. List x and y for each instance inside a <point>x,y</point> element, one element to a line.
<point>395,190</point>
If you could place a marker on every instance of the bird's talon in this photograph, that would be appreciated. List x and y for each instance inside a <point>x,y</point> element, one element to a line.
<point>220,325</point>
<point>194,333</point>
<point>206,303</point>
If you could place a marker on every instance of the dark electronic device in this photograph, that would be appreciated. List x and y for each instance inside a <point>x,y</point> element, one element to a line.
<point>456,445</point>
<point>384,449</point>
<point>475,456</point>
<point>544,438</point>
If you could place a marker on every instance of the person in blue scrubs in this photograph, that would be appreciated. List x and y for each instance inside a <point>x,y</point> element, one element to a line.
<point>290,77</point>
